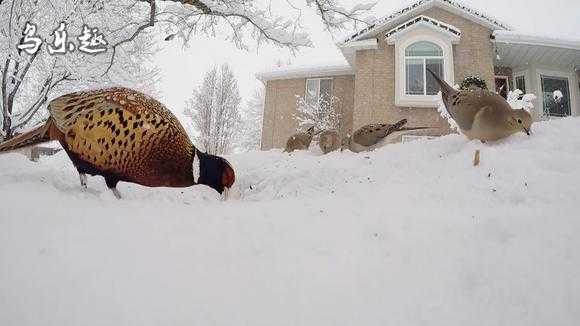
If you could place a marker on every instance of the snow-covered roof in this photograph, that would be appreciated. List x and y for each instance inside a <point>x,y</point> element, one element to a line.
<point>290,72</point>
<point>528,39</point>
<point>422,5</point>
<point>429,22</point>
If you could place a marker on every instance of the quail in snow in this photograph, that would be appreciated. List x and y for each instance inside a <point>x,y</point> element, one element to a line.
<point>124,135</point>
<point>300,141</point>
<point>366,137</point>
<point>483,115</point>
<point>329,141</point>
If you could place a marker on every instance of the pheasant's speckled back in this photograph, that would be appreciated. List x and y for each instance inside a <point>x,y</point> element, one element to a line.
<point>125,133</point>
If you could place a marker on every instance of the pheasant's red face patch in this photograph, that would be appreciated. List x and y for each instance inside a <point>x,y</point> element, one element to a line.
<point>228,176</point>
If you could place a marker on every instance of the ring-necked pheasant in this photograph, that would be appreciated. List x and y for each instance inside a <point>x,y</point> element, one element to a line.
<point>124,135</point>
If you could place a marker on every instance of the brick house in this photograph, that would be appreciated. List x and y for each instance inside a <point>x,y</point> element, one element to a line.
<point>386,80</point>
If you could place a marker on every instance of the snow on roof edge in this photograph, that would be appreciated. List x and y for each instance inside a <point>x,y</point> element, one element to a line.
<point>291,72</point>
<point>382,22</point>
<point>529,39</point>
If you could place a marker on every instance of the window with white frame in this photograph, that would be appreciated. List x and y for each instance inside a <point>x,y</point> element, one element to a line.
<point>318,90</point>
<point>419,57</point>
<point>556,96</point>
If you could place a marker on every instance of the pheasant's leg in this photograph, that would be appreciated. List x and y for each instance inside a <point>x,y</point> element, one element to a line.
<point>83,178</point>
<point>112,184</point>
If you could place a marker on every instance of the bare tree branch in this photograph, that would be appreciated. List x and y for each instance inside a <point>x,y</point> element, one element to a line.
<point>10,101</point>
<point>150,23</point>
<point>41,100</point>
<point>5,114</point>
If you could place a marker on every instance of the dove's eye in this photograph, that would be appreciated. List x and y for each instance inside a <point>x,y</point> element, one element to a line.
<point>520,121</point>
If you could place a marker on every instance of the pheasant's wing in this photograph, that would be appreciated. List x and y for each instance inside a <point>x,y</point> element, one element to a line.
<point>371,134</point>
<point>66,109</point>
<point>123,132</point>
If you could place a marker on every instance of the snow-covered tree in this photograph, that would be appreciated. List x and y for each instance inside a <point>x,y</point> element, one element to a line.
<point>240,20</point>
<point>323,113</point>
<point>29,80</point>
<point>215,110</point>
<point>250,130</point>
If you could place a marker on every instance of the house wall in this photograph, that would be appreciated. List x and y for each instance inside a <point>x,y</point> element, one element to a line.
<point>375,76</point>
<point>369,95</point>
<point>280,106</point>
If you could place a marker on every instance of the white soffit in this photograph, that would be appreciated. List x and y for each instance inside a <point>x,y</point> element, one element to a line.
<point>516,50</point>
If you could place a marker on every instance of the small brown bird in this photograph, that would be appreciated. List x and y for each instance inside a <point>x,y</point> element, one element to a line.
<point>124,135</point>
<point>483,115</point>
<point>366,137</point>
<point>329,141</point>
<point>300,141</point>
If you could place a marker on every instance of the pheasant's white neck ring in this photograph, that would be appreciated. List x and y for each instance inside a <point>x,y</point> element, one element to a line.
<point>196,168</point>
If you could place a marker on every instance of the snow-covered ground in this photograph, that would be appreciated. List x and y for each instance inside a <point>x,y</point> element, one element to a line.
<point>411,234</point>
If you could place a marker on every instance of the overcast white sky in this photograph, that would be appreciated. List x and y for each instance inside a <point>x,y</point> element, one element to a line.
<point>183,69</point>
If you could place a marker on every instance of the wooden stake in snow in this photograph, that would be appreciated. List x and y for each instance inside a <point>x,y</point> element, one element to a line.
<point>476,158</point>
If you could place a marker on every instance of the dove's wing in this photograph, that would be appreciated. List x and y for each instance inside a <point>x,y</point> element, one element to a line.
<point>469,103</point>
<point>371,134</point>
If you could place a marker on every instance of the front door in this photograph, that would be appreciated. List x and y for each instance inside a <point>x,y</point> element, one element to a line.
<point>556,96</point>
<point>501,86</point>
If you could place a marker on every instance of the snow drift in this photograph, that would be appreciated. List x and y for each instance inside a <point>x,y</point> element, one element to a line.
<point>410,234</point>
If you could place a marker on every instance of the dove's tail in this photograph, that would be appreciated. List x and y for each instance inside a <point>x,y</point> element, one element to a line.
<point>401,126</point>
<point>446,89</point>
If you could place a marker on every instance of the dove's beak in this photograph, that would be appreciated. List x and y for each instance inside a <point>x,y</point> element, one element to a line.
<point>527,131</point>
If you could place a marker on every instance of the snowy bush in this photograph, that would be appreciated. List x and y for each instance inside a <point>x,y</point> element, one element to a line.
<point>323,114</point>
<point>518,100</point>
<point>557,96</point>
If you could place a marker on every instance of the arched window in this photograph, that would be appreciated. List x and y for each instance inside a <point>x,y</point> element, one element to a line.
<point>419,57</point>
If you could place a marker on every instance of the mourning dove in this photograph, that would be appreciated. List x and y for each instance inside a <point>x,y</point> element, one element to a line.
<point>483,115</point>
<point>329,141</point>
<point>366,137</point>
<point>300,141</point>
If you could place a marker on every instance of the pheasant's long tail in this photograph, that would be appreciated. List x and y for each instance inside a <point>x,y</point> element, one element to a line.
<point>35,136</point>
